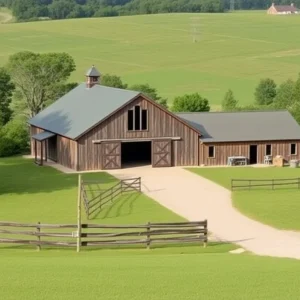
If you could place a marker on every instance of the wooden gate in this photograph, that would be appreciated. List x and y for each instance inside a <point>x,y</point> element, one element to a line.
<point>111,156</point>
<point>162,153</point>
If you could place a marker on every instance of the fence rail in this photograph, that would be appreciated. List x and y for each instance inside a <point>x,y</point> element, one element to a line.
<point>106,235</point>
<point>257,183</point>
<point>93,204</point>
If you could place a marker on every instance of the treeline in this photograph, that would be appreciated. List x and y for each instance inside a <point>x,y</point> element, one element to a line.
<point>269,96</point>
<point>26,10</point>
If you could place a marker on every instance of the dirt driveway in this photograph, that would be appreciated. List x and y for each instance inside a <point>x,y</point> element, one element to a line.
<point>197,198</point>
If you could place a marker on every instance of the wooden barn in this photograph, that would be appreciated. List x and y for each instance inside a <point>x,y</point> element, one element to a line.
<point>96,127</point>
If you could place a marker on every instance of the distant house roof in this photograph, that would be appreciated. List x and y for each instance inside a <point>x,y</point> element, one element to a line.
<point>81,109</point>
<point>244,126</point>
<point>93,72</point>
<point>285,8</point>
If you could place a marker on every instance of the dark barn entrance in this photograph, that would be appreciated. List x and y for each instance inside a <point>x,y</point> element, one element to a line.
<point>253,155</point>
<point>135,153</point>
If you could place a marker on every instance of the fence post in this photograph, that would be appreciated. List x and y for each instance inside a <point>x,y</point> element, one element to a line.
<point>79,214</point>
<point>148,235</point>
<point>38,231</point>
<point>205,234</point>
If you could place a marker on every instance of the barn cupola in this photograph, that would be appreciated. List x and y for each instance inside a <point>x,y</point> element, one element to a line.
<point>92,77</point>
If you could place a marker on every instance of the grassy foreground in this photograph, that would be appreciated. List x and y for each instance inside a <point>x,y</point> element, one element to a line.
<point>233,50</point>
<point>278,208</point>
<point>166,277</point>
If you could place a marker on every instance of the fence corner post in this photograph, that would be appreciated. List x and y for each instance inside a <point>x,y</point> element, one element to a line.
<point>148,235</point>
<point>205,234</point>
<point>38,231</point>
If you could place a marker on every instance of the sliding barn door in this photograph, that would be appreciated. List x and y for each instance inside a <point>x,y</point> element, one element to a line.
<point>111,156</point>
<point>162,153</point>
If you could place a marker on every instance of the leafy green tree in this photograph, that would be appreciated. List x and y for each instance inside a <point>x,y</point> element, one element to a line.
<point>6,90</point>
<point>265,92</point>
<point>14,138</point>
<point>229,103</point>
<point>284,98</point>
<point>36,76</point>
<point>296,90</point>
<point>113,81</point>
<point>150,92</point>
<point>190,103</point>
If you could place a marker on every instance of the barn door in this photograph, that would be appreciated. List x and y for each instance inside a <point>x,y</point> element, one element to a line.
<point>111,156</point>
<point>162,153</point>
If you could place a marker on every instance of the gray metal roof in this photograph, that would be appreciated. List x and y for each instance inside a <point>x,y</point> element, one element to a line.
<point>93,72</point>
<point>81,109</point>
<point>43,135</point>
<point>244,126</point>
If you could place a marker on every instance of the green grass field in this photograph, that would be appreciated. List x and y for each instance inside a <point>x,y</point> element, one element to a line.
<point>233,50</point>
<point>30,193</point>
<point>278,208</point>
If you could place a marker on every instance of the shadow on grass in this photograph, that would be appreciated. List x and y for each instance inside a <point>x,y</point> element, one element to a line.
<point>22,176</point>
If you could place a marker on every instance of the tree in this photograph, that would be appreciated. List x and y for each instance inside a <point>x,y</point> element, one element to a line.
<point>37,75</point>
<point>265,92</point>
<point>113,81</point>
<point>151,93</point>
<point>6,89</point>
<point>229,103</point>
<point>296,90</point>
<point>285,95</point>
<point>190,103</point>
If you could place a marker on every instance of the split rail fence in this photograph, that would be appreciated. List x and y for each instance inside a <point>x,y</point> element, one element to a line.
<point>265,183</point>
<point>99,235</point>
<point>94,198</point>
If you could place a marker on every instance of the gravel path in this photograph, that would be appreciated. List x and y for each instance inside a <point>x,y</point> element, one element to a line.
<point>197,198</point>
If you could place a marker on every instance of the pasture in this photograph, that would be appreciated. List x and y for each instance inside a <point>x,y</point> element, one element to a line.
<point>233,50</point>
<point>30,193</point>
<point>278,208</point>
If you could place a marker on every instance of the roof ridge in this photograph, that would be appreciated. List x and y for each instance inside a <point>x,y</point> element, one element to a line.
<point>233,112</point>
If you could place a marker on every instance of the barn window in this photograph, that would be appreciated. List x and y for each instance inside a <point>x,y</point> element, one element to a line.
<point>268,150</point>
<point>293,149</point>
<point>137,119</point>
<point>130,120</point>
<point>211,151</point>
<point>144,119</point>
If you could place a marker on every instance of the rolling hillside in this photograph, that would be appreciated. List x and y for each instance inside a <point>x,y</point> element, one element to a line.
<point>232,50</point>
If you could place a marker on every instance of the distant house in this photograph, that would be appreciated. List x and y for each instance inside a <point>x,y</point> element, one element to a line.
<point>282,9</point>
<point>97,127</point>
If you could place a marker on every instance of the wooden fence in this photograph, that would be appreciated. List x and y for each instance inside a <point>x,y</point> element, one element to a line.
<point>265,183</point>
<point>94,198</point>
<point>103,235</point>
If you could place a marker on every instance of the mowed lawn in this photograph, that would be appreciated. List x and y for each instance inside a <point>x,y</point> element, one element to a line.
<point>118,276</point>
<point>279,207</point>
<point>234,50</point>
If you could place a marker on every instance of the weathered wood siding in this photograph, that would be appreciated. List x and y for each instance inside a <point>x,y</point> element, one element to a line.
<point>33,131</point>
<point>67,152</point>
<point>223,150</point>
<point>160,124</point>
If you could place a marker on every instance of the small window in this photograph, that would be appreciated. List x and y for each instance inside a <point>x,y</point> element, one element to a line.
<point>268,150</point>
<point>144,119</point>
<point>293,149</point>
<point>130,120</point>
<point>211,151</point>
<point>137,118</point>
